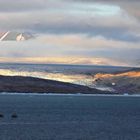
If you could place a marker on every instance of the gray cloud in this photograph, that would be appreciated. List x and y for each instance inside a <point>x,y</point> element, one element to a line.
<point>59,17</point>
<point>21,5</point>
<point>117,22</point>
<point>82,48</point>
<point>62,22</point>
<point>131,6</point>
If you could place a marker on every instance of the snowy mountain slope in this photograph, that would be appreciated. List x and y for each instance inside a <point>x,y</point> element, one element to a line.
<point>15,36</point>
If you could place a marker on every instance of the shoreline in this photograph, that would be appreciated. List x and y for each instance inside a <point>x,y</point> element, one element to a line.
<point>31,85</point>
<point>20,84</point>
<point>69,94</point>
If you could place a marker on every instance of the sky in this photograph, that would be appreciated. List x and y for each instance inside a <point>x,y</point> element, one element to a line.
<point>93,32</point>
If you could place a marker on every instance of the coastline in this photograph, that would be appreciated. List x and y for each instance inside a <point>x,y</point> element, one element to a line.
<point>20,84</point>
<point>70,94</point>
<point>32,85</point>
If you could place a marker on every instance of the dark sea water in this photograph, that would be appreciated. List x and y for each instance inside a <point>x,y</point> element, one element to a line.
<point>69,117</point>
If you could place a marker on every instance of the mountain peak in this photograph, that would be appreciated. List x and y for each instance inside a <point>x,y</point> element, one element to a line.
<point>15,36</point>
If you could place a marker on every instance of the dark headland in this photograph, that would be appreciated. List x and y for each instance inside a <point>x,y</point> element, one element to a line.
<point>19,84</point>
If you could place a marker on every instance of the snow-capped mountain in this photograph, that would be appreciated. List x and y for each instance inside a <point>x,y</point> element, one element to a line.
<point>15,36</point>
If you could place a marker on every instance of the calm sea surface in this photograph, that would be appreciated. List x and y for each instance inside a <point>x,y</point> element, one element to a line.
<point>69,117</point>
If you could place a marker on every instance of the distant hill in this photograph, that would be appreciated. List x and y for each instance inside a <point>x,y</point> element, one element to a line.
<point>124,82</point>
<point>15,36</point>
<point>21,84</point>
